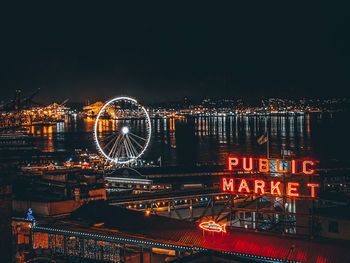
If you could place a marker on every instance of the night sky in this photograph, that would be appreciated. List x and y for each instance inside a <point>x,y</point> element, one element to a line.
<point>165,51</point>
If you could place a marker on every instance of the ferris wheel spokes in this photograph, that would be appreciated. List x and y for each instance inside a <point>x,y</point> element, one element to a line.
<point>129,151</point>
<point>115,145</point>
<point>134,151</point>
<point>136,142</point>
<point>138,136</point>
<point>122,130</point>
<point>113,136</point>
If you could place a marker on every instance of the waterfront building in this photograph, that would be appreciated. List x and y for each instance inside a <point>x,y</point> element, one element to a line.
<point>106,233</point>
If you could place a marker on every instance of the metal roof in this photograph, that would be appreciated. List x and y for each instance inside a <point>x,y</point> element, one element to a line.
<point>132,227</point>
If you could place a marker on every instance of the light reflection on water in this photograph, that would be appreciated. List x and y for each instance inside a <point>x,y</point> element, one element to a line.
<point>187,141</point>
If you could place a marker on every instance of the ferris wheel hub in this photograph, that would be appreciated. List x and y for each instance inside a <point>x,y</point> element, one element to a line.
<point>125,130</point>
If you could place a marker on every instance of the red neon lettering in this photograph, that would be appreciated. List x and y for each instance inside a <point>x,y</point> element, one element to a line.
<point>294,167</point>
<point>275,186</point>
<point>278,165</point>
<point>249,164</point>
<point>248,169</point>
<point>292,189</point>
<point>259,184</point>
<point>227,186</point>
<point>243,185</point>
<point>305,167</point>
<point>312,188</point>
<point>232,162</point>
<point>264,165</point>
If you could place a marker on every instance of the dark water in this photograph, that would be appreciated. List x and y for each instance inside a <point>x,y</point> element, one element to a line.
<point>189,141</point>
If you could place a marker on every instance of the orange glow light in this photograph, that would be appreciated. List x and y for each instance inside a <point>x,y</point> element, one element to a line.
<point>243,186</point>
<point>227,186</point>
<point>264,165</point>
<point>292,189</point>
<point>232,162</point>
<point>266,187</point>
<point>306,169</point>
<point>259,185</point>
<point>275,186</point>
<point>245,166</point>
<point>312,187</point>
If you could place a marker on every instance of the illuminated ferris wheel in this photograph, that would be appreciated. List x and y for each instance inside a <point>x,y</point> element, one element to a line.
<point>122,130</point>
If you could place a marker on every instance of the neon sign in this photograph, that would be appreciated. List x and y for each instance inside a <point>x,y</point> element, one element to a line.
<point>272,186</point>
<point>211,226</point>
<point>263,165</point>
<point>266,187</point>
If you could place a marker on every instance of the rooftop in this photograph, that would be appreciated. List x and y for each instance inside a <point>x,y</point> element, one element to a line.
<point>120,225</point>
